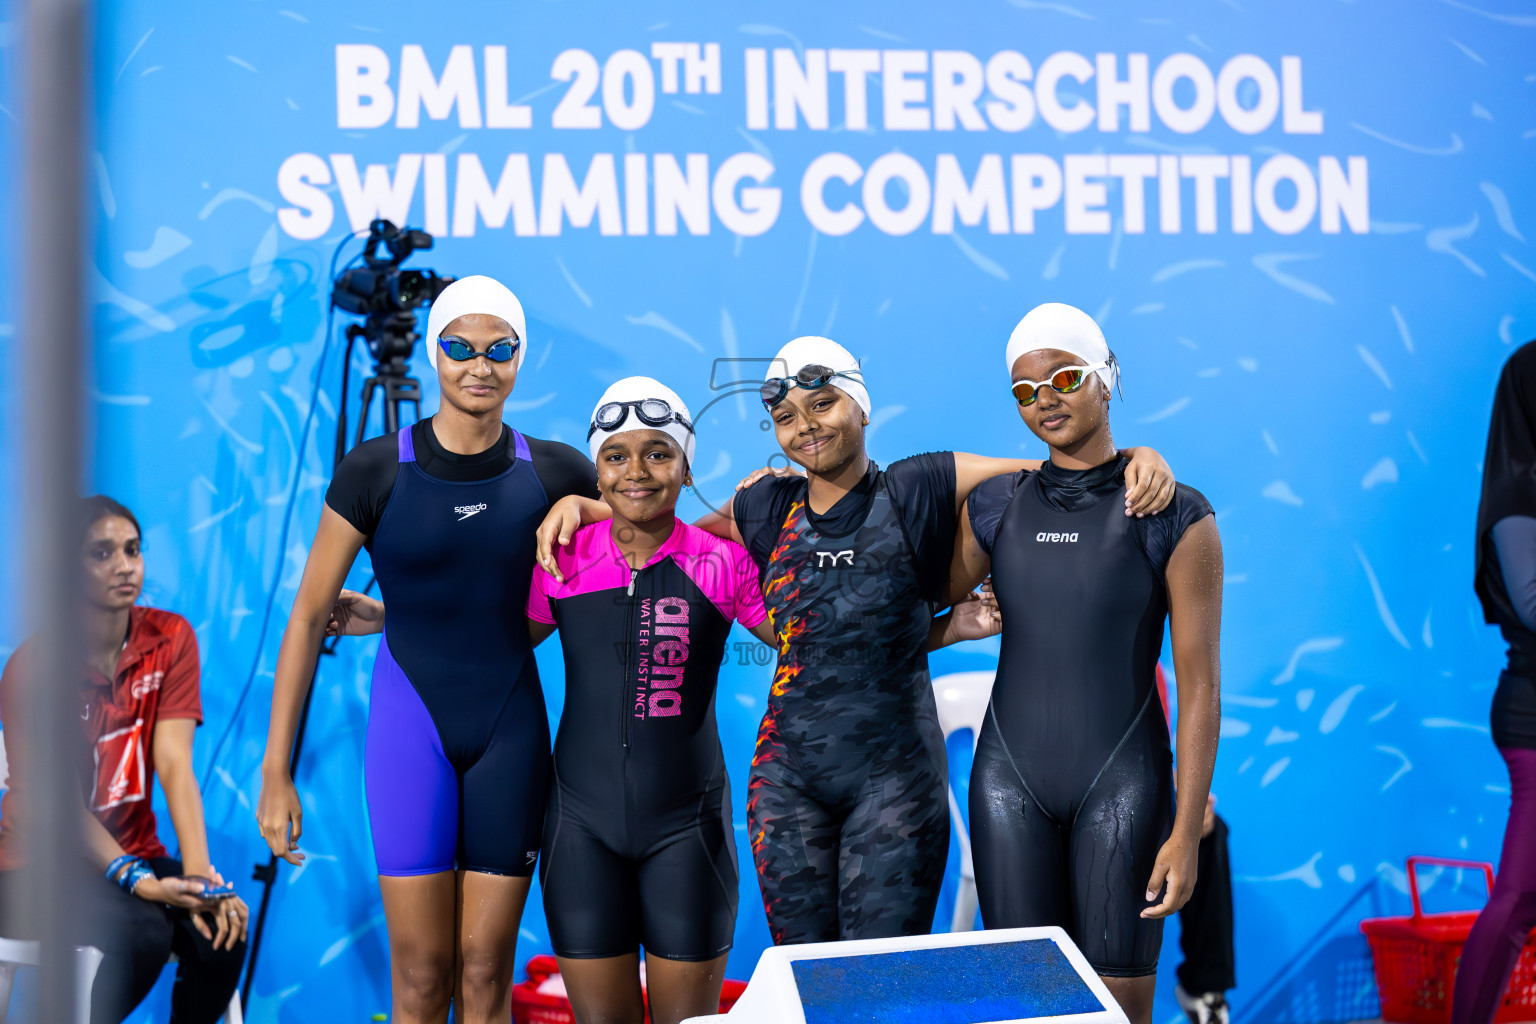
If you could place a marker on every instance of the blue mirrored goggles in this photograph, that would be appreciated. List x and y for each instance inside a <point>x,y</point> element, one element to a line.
<point>461,351</point>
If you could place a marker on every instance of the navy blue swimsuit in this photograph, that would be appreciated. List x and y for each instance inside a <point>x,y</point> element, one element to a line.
<point>456,764</point>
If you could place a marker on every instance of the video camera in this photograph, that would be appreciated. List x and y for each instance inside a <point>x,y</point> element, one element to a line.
<point>384,294</point>
<point>386,297</point>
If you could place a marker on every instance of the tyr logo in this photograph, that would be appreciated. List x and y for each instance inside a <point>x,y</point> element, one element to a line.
<point>826,558</point>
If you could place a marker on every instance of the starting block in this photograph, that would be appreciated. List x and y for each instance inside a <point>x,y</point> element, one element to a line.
<point>1009,976</point>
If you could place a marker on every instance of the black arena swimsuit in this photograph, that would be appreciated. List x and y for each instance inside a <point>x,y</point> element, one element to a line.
<point>638,844</point>
<point>1072,787</point>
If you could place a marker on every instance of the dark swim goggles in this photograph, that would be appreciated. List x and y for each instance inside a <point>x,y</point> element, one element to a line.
<point>810,377</point>
<point>460,351</point>
<point>653,412</point>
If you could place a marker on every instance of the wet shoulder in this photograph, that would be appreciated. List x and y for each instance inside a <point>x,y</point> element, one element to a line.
<point>1161,533</point>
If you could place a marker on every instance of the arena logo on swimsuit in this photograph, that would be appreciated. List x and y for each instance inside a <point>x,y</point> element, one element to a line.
<point>1056,538</point>
<point>661,699</point>
<point>671,656</point>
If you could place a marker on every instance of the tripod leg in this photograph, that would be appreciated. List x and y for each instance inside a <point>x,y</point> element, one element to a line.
<point>397,392</point>
<point>362,419</point>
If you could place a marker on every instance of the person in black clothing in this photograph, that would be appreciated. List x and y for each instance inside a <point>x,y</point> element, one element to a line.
<point>1072,803</point>
<point>1505,580</point>
<point>1209,969</point>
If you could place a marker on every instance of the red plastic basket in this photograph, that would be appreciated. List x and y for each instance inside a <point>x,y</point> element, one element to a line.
<point>532,1006</point>
<point>1416,959</point>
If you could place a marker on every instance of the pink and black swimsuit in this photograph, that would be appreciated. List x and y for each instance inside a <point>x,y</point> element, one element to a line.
<point>638,843</point>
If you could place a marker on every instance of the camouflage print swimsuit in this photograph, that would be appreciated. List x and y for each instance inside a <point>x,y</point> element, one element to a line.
<point>847,806</point>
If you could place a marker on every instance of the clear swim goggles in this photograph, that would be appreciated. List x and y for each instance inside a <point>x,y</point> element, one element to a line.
<point>653,412</point>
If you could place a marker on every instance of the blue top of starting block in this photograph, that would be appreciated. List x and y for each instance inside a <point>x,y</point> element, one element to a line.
<point>1000,981</point>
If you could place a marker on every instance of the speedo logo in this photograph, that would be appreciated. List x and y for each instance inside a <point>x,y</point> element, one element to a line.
<point>1056,538</point>
<point>465,511</point>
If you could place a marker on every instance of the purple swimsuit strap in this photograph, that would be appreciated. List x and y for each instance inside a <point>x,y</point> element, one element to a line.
<point>408,450</point>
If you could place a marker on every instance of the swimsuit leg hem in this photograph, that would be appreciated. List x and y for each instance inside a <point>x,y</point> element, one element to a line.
<point>588,955</point>
<point>413,872</point>
<point>1123,972</point>
<point>690,958</point>
<point>502,872</point>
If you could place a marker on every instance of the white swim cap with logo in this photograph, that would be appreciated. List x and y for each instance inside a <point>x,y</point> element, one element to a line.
<point>1067,329</point>
<point>638,389</point>
<point>813,351</point>
<point>476,294</point>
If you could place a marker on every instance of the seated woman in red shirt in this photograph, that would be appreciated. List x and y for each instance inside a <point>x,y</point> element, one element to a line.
<point>139,705</point>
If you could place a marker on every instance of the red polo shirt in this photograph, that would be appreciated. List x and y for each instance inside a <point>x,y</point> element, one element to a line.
<point>157,678</point>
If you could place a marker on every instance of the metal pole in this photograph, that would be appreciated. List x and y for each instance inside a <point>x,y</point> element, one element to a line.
<point>52,353</point>
<point>266,873</point>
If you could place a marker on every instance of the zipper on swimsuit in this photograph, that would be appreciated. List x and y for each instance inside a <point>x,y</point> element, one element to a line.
<point>631,663</point>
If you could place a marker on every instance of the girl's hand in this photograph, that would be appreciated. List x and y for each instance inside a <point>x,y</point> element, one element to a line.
<point>186,893</point>
<point>558,527</point>
<point>1148,483</point>
<point>355,614</point>
<point>280,816</point>
<point>975,616</point>
<point>223,921</point>
<point>228,918</point>
<point>1175,869</point>
<point>758,474</point>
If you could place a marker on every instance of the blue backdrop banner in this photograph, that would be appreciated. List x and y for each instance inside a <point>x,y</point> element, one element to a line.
<point>1306,230</point>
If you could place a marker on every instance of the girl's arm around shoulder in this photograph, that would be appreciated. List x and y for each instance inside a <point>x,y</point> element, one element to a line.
<point>1148,479</point>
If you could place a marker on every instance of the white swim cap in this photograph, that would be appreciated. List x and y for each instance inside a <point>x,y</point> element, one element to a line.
<point>630,392</point>
<point>1067,329</point>
<point>477,294</point>
<point>813,351</point>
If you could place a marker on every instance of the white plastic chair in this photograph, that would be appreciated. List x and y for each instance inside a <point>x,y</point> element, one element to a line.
<point>962,699</point>
<point>14,954</point>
